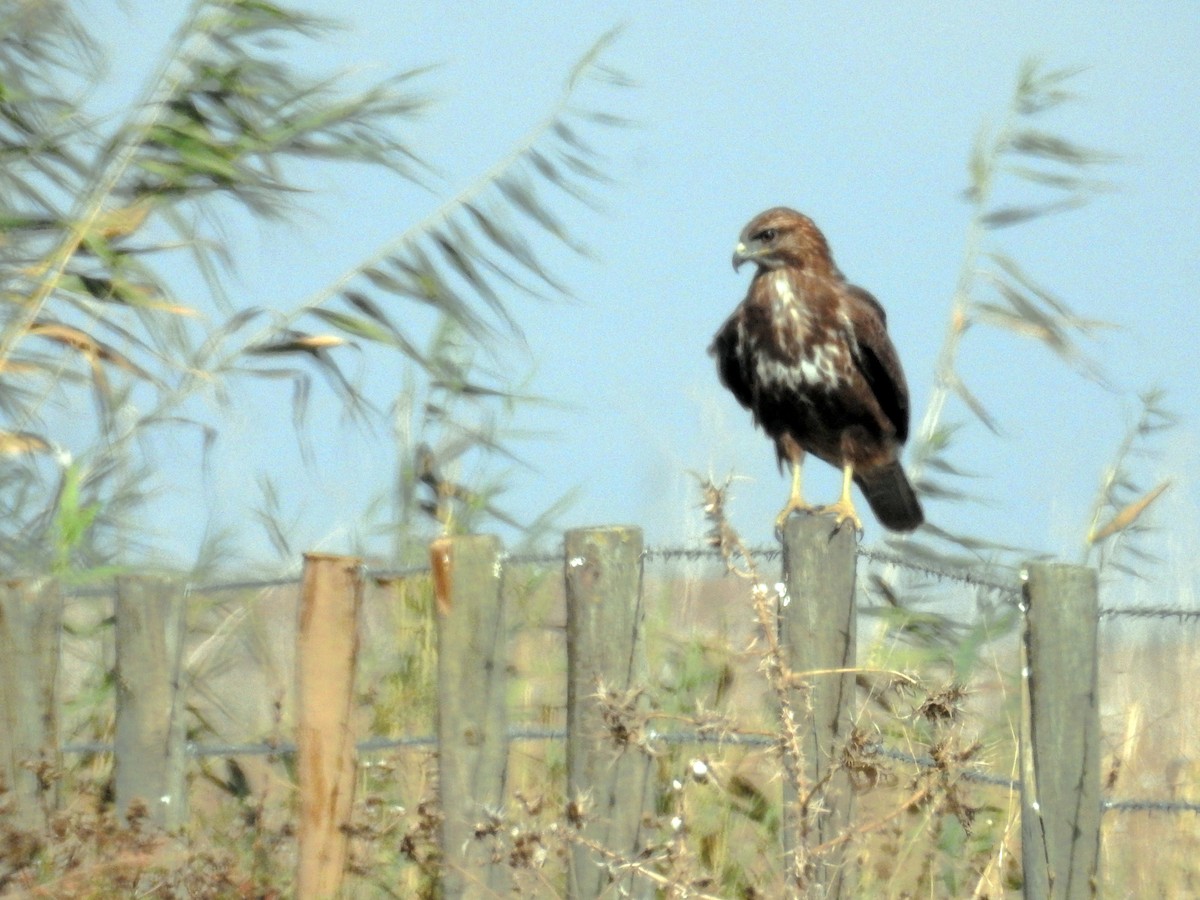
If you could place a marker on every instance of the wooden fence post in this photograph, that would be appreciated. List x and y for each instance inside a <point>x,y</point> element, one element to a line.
<point>818,635</point>
<point>326,660</point>
<point>151,736</point>
<point>1060,734</point>
<point>30,636</point>
<point>472,719</point>
<point>608,782</point>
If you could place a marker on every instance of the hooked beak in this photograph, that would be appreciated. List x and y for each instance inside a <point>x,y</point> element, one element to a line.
<point>740,255</point>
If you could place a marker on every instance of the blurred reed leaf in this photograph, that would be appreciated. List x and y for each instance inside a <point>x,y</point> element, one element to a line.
<point>12,442</point>
<point>471,249</point>
<point>1049,147</point>
<point>1004,216</point>
<point>1039,89</point>
<point>1040,172</point>
<point>450,430</point>
<point>99,217</point>
<point>271,517</point>
<point>1127,515</point>
<point>1123,499</point>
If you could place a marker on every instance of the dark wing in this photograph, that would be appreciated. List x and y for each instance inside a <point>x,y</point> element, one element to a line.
<point>877,360</point>
<point>868,300</point>
<point>733,370</point>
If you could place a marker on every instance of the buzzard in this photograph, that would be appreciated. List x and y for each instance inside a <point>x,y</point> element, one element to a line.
<point>808,354</point>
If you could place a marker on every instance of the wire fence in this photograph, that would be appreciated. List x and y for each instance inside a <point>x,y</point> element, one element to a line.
<point>1003,582</point>
<point>418,742</point>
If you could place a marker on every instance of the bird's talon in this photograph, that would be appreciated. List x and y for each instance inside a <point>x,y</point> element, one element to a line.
<point>842,513</point>
<point>785,513</point>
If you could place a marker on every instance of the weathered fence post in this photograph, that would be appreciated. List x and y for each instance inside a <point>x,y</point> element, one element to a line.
<point>326,660</point>
<point>30,629</point>
<point>151,737</point>
<point>1060,734</point>
<point>472,715</point>
<point>607,779</point>
<point>818,642</point>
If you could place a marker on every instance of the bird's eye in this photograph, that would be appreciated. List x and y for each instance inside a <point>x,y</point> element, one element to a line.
<point>766,235</point>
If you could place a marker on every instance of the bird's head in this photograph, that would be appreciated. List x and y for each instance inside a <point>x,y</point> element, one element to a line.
<point>783,237</point>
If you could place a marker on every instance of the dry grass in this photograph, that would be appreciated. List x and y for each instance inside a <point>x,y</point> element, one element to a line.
<point>1150,690</point>
<point>919,831</point>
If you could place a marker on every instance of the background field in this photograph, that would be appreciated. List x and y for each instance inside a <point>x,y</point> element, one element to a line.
<point>960,839</point>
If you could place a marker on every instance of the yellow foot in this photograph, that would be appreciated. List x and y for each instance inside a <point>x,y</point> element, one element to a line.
<point>795,499</point>
<point>843,511</point>
<point>794,504</point>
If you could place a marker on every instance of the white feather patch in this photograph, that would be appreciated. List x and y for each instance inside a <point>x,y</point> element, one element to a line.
<point>815,369</point>
<point>787,303</point>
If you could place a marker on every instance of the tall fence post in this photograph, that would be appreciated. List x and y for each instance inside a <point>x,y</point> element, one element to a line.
<point>818,640</point>
<point>30,636</point>
<point>608,780</point>
<point>1060,734</point>
<point>151,736</point>
<point>326,661</point>
<point>472,714</point>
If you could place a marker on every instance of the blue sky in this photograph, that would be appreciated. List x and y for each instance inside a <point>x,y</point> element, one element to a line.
<point>861,115</point>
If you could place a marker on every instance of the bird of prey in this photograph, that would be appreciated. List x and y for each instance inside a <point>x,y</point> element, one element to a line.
<point>809,355</point>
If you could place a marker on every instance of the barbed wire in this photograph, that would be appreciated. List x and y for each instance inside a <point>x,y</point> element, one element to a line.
<point>1150,612</point>
<point>1167,806</point>
<point>249,584</point>
<point>762,741</point>
<point>650,554</point>
<point>942,573</point>
<point>986,580</point>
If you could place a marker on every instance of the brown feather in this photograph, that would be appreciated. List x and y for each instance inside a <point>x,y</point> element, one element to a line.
<point>809,355</point>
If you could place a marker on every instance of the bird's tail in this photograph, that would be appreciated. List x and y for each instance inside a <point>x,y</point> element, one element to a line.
<point>891,496</point>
